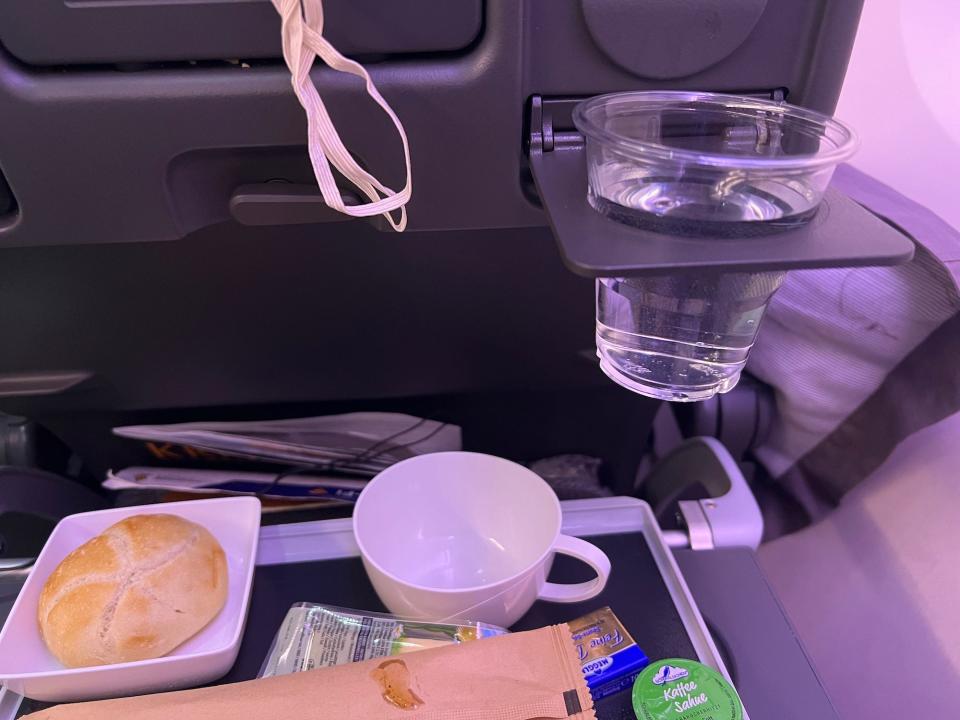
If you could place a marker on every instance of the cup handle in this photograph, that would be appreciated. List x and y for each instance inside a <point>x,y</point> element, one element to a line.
<point>576,592</point>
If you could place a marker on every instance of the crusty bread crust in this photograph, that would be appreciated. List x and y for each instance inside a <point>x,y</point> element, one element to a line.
<point>137,591</point>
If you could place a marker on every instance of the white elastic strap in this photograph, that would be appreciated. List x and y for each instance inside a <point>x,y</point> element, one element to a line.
<point>303,41</point>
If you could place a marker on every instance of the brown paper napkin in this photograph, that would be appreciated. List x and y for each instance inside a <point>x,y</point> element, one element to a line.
<point>523,676</point>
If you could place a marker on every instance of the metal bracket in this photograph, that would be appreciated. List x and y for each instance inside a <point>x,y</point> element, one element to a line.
<point>551,124</point>
<point>728,516</point>
<point>551,120</point>
<point>698,527</point>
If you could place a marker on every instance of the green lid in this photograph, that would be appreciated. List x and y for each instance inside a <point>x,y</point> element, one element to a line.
<point>676,689</point>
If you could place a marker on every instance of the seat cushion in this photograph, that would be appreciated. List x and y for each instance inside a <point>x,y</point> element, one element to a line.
<point>873,589</point>
<point>832,338</point>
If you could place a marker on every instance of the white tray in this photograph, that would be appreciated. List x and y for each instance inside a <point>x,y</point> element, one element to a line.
<point>28,667</point>
<point>331,539</point>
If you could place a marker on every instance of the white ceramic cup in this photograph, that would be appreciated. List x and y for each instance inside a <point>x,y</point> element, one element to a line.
<point>460,536</point>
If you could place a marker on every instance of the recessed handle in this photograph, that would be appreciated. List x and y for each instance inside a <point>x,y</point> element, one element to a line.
<point>285,204</point>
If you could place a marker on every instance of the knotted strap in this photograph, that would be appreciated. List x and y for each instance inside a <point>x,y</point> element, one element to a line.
<point>303,41</point>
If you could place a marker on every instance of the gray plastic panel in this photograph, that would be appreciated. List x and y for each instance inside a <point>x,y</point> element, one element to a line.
<point>841,234</point>
<point>65,32</point>
<point>737,602</point>
<point>801,45</point>
<point>244,315</point>
<point>105,156</point>
<point>157,154</point>
<point>236,314</point>
<point>666,39</point>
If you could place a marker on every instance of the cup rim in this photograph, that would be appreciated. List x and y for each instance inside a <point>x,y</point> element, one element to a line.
<point>649,150</point>
<point>366,556</point>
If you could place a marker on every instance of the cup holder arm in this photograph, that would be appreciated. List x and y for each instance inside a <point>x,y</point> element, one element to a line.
<point>841,234</point>
<point>728,516</point>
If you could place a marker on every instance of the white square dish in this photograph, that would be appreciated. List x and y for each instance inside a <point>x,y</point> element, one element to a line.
<point>28,668</point>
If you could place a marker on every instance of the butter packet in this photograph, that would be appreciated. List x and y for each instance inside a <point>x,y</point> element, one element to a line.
<point>608,656</point>
<point>314,636</point>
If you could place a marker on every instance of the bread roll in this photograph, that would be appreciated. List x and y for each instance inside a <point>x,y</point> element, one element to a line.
<point>135,592</point>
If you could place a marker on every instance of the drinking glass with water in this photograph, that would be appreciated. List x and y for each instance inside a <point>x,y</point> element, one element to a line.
<point>680,337</point>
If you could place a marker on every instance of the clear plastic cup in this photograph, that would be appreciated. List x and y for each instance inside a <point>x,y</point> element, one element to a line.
<point>681,337</point>
<point>708,164</point>
<point>689,163</point>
